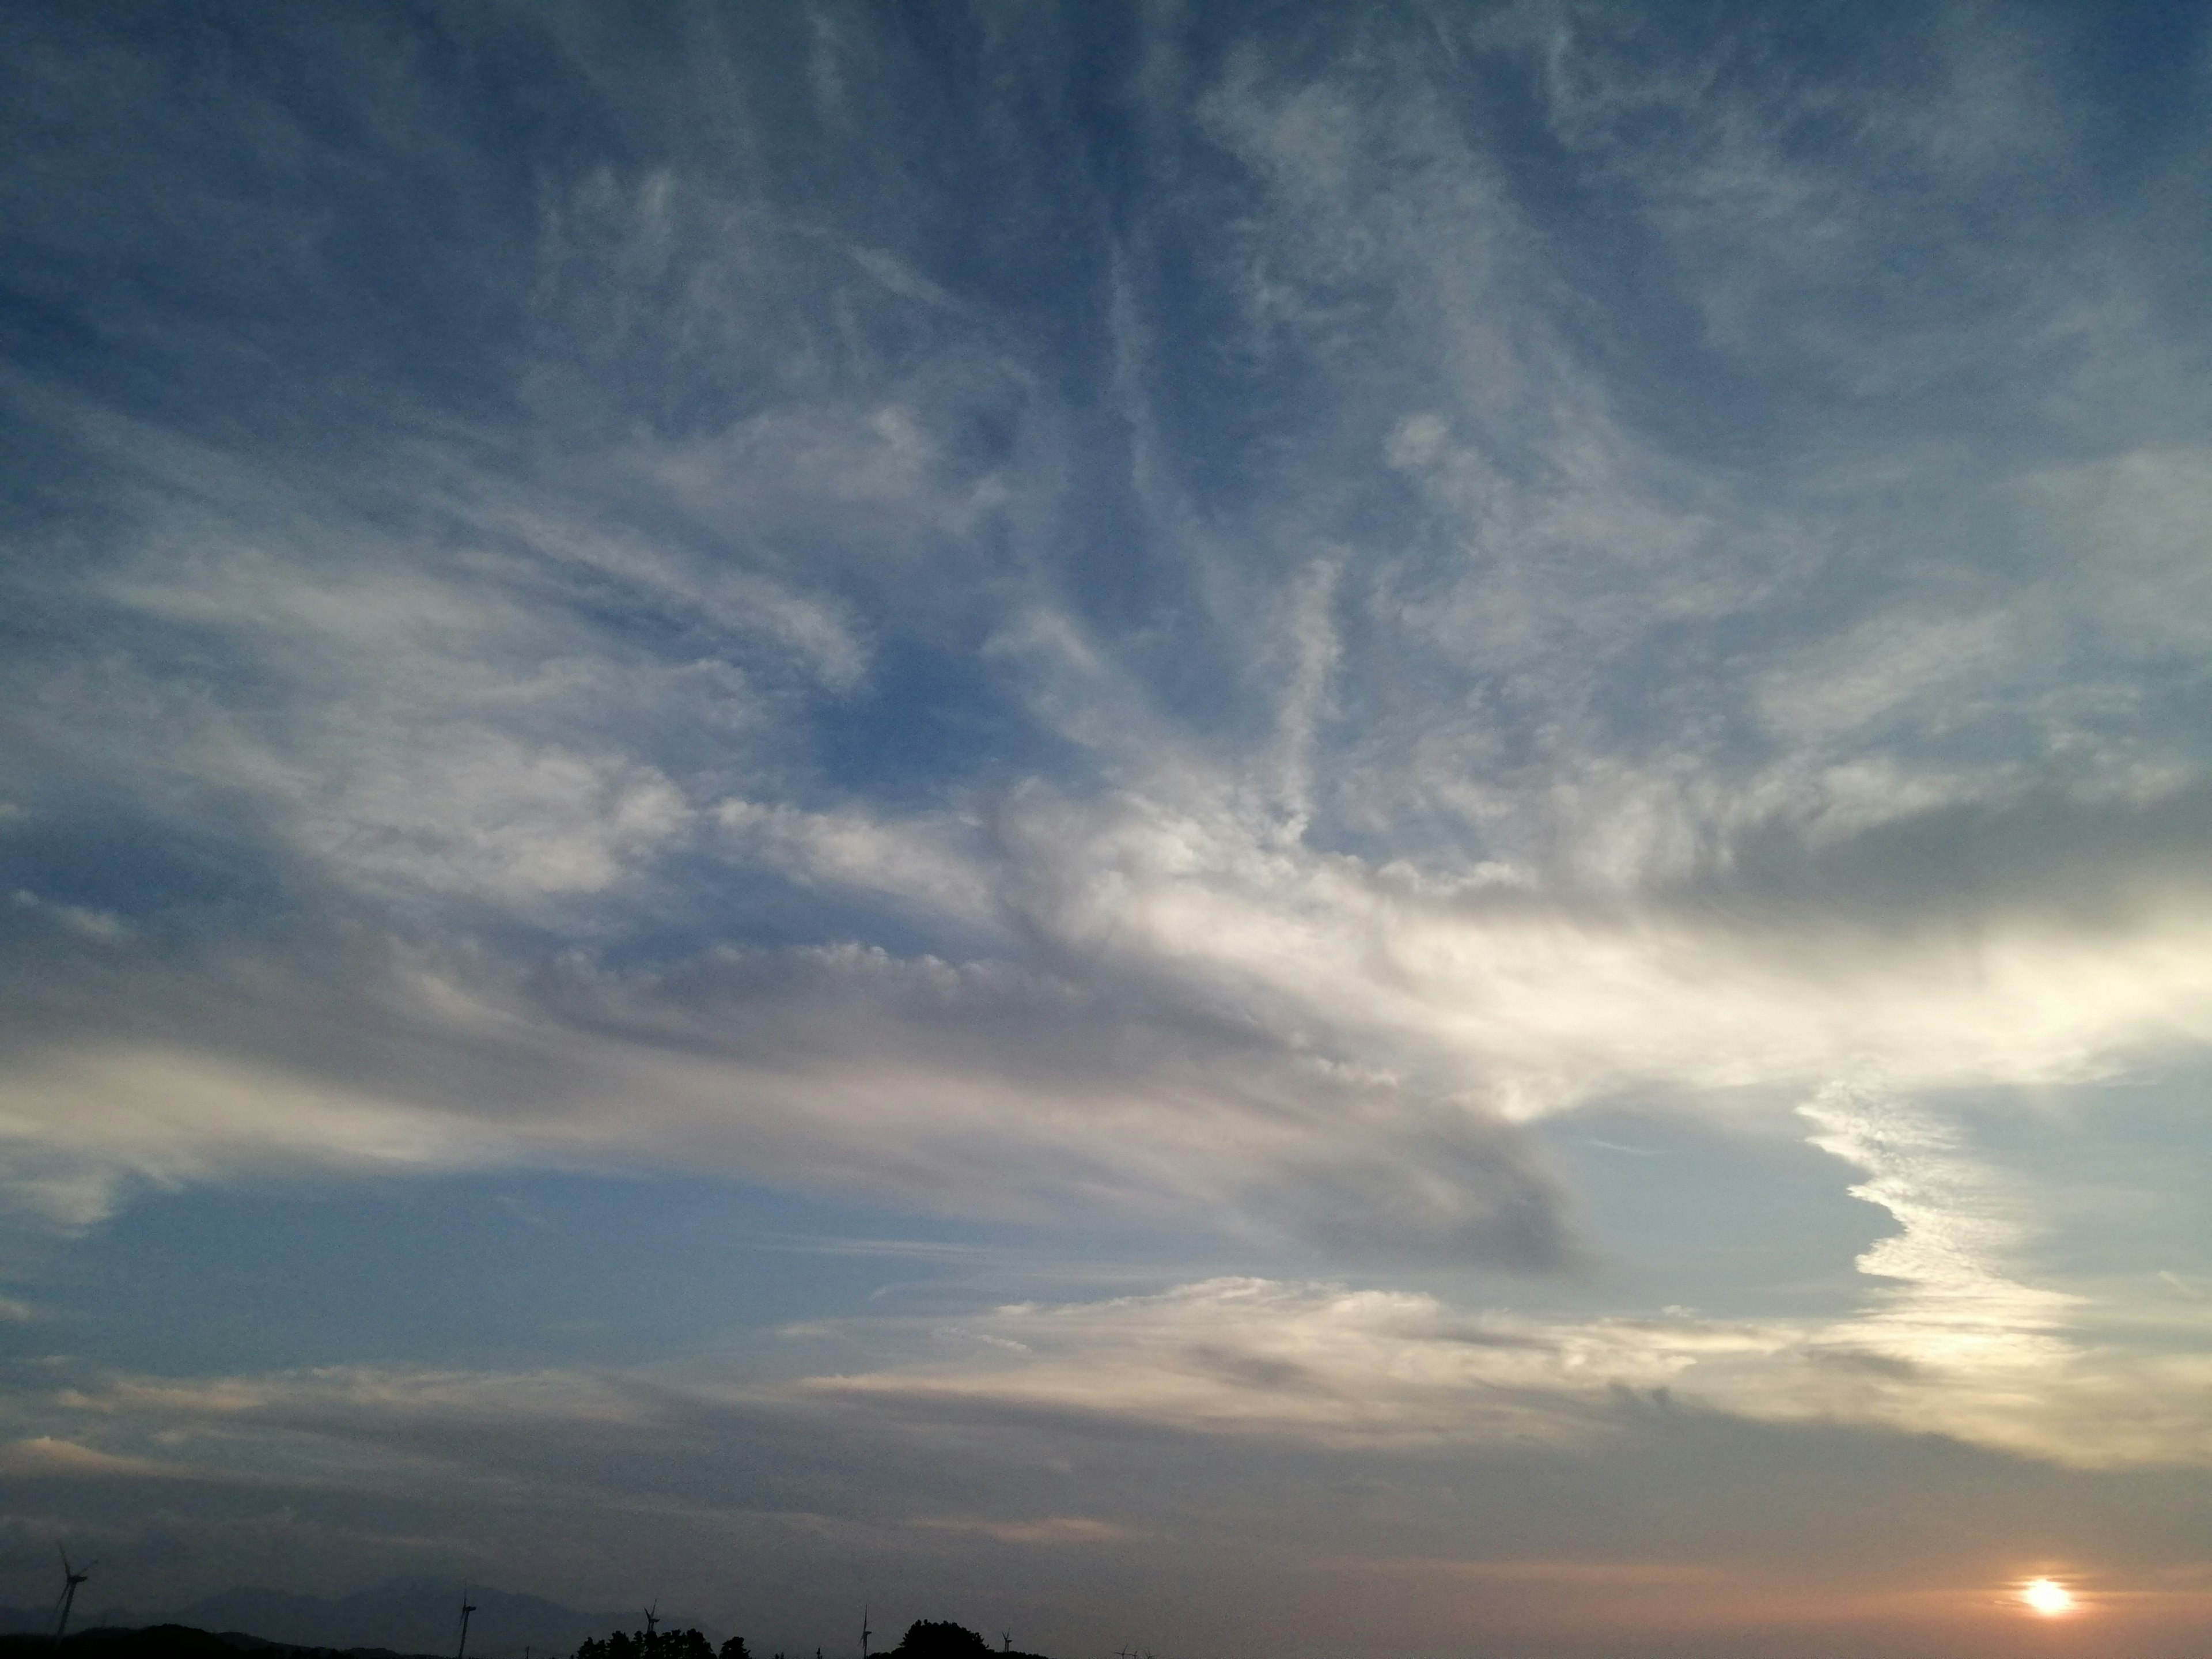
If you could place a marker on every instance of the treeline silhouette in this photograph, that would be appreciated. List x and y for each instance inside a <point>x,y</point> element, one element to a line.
<point>924,1638</point>
<point>660,1644</point>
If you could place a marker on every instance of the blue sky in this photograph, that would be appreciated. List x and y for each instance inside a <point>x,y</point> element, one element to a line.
<point>1252,827</point>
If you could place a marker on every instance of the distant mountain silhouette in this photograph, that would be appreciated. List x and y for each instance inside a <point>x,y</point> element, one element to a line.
<point>412,1616</point>
<point>173,1642</point>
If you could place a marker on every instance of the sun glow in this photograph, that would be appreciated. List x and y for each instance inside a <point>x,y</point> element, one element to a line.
<point>2047,1596</point>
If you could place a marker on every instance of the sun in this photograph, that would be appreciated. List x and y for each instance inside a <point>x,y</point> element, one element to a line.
<point>2047,1596</point>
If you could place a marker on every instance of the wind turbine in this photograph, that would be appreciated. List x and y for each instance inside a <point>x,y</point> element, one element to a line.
<point>467,1607</point>
<point>1006,1641</point>
<point>864,1631</point>
<point>652,1623</point>
<point>70,1579</point>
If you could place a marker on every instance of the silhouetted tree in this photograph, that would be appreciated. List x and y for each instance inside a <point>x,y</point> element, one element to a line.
<point>735,1649</point>
<point>926,1638</point>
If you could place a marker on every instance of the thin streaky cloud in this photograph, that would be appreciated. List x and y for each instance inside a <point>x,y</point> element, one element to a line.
<point>1329,711</point>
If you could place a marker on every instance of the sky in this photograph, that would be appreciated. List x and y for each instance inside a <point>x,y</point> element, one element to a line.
<point>1238,827</point>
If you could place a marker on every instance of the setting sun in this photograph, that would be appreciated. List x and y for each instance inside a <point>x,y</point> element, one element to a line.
<point>2047,1596</point>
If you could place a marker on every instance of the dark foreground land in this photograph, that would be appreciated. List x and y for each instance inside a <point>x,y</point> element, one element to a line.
<point>923,1640</point>
<point>176,1642</point>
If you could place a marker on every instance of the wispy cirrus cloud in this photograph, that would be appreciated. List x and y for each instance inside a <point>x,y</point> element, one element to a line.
<point>1185,624</point>
<point>1461,752</point>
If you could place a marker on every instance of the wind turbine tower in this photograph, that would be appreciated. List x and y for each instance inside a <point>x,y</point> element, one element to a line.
<point>467,1607</point>
<point>70,1579</point>
<point>864,1631</point>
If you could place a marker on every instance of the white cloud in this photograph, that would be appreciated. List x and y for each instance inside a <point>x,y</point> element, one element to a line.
<point>1049,1529</point>
<point>44,1458</point>
<point>1217,1020</point>
<point>1336,1366</point>
<point>1471,741</point>
<point>1951,1346</point>
<point>474,813</point>
<point>86,1128</point>
<point>104,925</point>
<point>1960,1352</point>
<point>937,863</point>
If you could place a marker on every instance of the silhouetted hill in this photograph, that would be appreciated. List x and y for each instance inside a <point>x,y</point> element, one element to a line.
<point>265,1623</point>
<point>173,1642</point>
<point>157,1641</point>
<point>418,1616</point>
